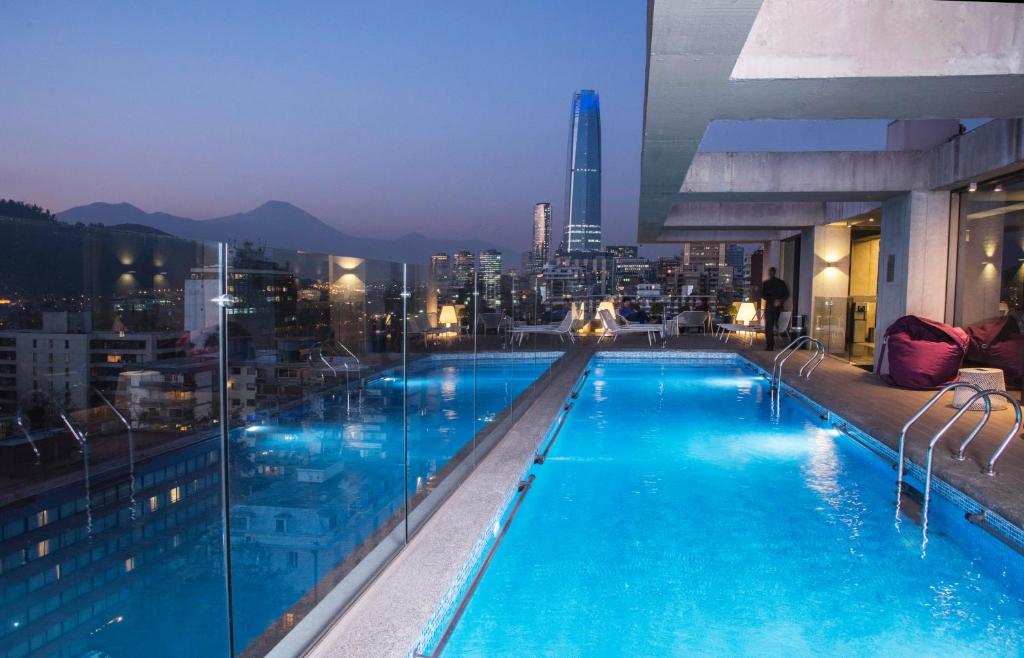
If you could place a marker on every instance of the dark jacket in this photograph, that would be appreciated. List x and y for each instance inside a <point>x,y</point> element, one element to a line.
<point>774,289</point>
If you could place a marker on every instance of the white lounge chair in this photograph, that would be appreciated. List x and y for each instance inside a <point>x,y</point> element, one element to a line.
<point>562,329</point>
<point>611,326</point>
<point>686,319</point>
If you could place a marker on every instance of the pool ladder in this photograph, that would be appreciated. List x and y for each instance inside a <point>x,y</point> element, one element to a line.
<point>809,366</point>
<point>989,468</point>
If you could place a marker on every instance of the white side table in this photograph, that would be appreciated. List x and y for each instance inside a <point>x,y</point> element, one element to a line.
<point>986,379</point>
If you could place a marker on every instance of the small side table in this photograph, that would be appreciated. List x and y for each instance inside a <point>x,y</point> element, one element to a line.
<point>986,379</point>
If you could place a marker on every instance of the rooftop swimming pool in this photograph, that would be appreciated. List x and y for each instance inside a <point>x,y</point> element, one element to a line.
<point>312,488</point>
<point>676,514</point>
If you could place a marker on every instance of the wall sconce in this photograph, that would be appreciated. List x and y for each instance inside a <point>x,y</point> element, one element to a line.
<point>973,187</point>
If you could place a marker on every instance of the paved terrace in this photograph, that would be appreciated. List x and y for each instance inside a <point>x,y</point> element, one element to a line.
<point>387,618</point>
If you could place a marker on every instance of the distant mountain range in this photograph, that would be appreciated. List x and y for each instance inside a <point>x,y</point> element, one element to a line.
<point>276,224</point>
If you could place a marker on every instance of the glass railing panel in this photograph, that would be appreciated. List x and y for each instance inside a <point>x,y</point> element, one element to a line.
<point>317,432</point>
<point>110,490</point>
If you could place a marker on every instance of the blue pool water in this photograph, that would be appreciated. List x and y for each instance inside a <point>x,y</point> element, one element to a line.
<point>675,516</point>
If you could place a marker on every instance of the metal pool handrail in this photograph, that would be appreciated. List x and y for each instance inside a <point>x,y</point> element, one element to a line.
<point>990,468</point>
<point>791,349</point>
<point>913,419</point>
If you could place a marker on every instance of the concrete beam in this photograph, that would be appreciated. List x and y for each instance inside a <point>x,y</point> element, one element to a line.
<point>732,216</point>
<point>991,150</point>
<point>856,175</point>
<point>725,235</point>
<point>906,38</point>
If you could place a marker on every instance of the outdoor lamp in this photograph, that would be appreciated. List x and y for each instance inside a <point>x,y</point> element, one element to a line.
<point>448,316</point>
<point>606,305</point>
<point>746,313</point>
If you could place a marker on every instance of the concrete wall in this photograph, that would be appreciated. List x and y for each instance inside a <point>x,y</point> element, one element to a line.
<point>915,236</point>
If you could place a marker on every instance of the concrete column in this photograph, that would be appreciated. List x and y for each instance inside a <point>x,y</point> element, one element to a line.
<point>772,251</point>
<point>912,258</point>
<point>830,285</point>
<point>805,302</point>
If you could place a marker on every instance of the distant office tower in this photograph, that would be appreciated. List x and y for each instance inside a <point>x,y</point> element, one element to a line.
<point>583,183</point>
<point>735,257</point>
<point>463,265</point>
<point>704,253</point>
<point>441,275</point>
<point>440,267</point>
<point>541,234</point>
<point>490,277</point>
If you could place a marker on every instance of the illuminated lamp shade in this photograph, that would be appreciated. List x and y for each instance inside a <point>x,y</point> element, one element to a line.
<point>448,316</point>
<point>746,313</point>
<point>606,305</point>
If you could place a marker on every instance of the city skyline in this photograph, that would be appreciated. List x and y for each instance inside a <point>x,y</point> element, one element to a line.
<point>79,127</point>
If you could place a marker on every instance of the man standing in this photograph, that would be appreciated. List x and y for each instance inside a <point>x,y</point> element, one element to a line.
<point>774,292</point>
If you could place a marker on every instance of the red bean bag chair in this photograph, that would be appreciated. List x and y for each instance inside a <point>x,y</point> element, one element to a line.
<point>923,353</point>
<point>998,343</point>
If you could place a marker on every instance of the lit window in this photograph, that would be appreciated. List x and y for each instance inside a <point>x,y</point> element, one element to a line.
<point>43,548</point>
<point>175,494</point>
<point>42,518</point>
<point>153,503</point>
<point>113,358</point>
<point>129,564</point>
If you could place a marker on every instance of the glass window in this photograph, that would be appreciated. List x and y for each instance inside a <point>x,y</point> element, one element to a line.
<point>990,252</point>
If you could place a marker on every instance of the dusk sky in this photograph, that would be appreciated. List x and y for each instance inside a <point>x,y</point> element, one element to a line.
<point>378,117</point>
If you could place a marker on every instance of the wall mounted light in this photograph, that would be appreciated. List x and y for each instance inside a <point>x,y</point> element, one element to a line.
<point>973,187</point>
<point>998,188</point>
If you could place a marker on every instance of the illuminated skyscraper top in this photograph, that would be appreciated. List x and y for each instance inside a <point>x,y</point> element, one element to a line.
<point>583,183</point>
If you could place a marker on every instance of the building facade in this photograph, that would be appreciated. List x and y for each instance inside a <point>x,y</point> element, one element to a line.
<point>541,235</point>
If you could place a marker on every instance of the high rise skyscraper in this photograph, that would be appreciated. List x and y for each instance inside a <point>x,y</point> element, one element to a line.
<point>583,183</point>
<point>490,276</point>
<point>704,253</point>
<point>541,235</point>
<point>463,265</point>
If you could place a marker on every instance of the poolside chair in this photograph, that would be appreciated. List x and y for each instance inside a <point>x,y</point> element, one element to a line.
<point>687,319</point>
<point>562,329</point>
<point>612,326</point>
